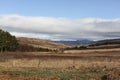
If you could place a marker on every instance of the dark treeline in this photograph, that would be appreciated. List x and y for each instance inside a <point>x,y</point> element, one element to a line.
<point>77,48</point>
<point>92,47</point>
<point>7,41</point>
<point>105,43</point>
<point>30,48</point>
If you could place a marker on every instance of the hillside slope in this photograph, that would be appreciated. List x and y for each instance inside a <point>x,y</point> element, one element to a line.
<point>40,43</point>
<point>109,43</point>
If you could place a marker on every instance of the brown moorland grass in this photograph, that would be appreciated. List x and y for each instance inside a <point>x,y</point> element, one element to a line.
<point>80,60</point>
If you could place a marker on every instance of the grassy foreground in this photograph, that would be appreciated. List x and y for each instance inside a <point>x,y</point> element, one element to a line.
<point>73,65</point>
<point>60,74</point>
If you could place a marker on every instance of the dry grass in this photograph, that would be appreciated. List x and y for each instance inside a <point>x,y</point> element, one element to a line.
<point>82,58</point>
<point>101,59</point>
<point>8,76</point>
<point>58,63</point>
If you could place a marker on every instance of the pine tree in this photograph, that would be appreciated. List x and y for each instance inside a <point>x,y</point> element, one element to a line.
<point>7,41</point>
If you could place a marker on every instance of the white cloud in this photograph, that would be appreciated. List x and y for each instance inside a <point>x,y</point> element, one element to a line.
<point>60,28</point>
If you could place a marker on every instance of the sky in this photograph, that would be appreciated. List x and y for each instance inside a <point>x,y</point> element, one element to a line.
<point>61,19</point>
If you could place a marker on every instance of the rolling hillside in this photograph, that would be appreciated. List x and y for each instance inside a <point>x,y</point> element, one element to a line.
<point>46,44</point>
<point>109,43</point>
<point>40,43</point>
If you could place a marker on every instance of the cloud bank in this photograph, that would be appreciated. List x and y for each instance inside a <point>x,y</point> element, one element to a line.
<point>60,28</point>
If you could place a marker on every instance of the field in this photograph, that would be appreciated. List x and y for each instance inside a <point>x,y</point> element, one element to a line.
<point>98,64</point>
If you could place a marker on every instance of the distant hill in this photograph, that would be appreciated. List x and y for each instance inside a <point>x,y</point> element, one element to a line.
<point>86,44</point>
<point>76,42</point>
<point>102,44</point>
<point>40,43</point>
<point>108,43</point>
